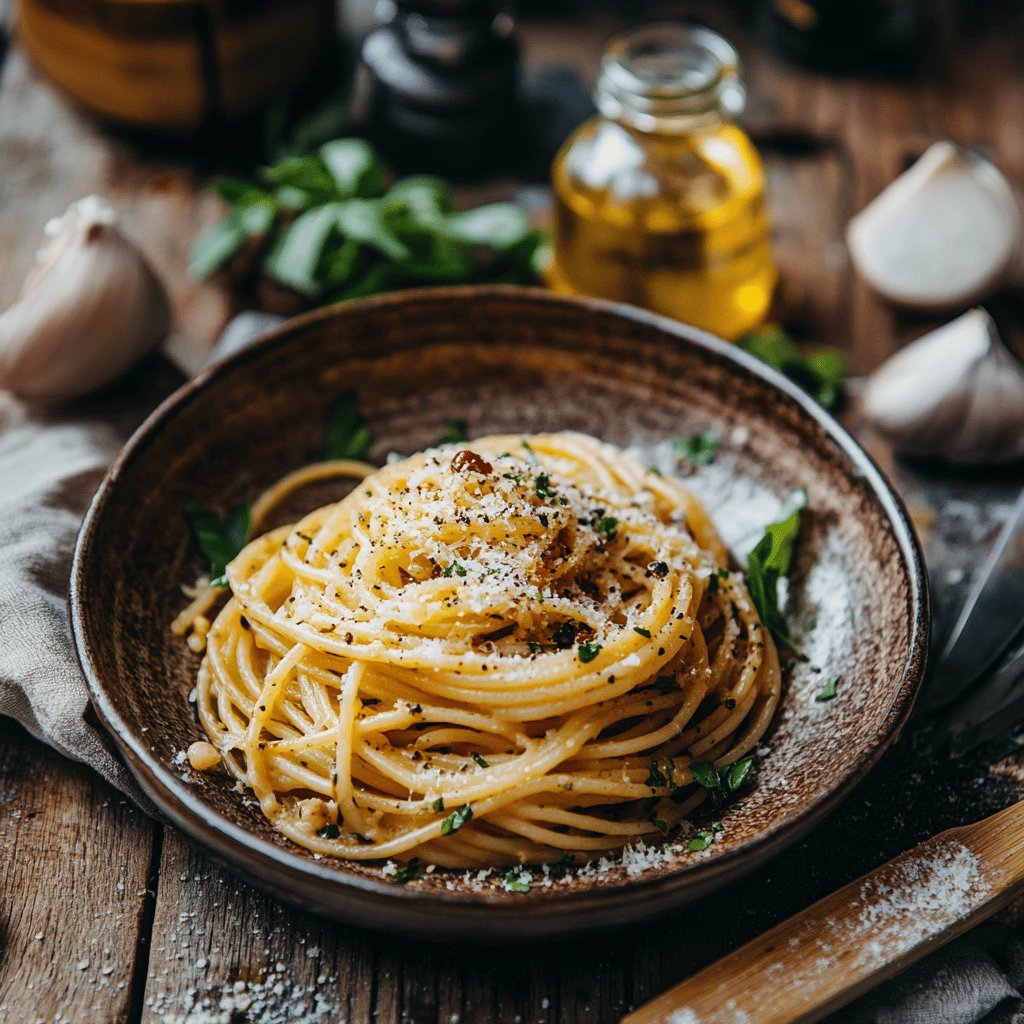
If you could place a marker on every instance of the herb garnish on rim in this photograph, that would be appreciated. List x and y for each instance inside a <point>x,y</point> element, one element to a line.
<point>769,562</point>
<point>219,541</point>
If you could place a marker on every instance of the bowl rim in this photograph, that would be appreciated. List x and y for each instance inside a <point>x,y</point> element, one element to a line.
<point>236,845</point>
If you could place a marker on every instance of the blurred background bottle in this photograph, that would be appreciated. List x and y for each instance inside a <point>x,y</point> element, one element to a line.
<point>659,199</point>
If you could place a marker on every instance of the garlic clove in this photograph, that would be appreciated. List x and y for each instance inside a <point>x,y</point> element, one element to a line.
<point>90,308</point>
<point>957,393</point>
<point>942,235</point>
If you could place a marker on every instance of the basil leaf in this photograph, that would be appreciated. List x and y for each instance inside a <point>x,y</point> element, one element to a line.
<point>429,198</point>
<point>295,258</point>
<point>821,373</point>
<point>699,448</point>
<point>498,226</point>
<point>769,562</point>
<point>348,436</point>
<point>378,278</point>
<point>362,220</point>
<point>339,265</point>
<point>353,167</point>
<point>219,541</point>
<point>216,245</point>
<point>301,182</point>
<point>734,775</point>
<point>456,820</point>
<point>237,191</point>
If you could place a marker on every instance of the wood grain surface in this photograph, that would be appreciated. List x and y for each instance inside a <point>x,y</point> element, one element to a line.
<point>103,886</point>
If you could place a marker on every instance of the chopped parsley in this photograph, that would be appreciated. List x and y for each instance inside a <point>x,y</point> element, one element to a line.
<point>479,760</point>
<point>531,455</point>
<point>559,867</point>
<point>219,541</point>
<point>348,436</point>
<point>408,873</point>
<point>699,448</point>
<point>543,486</point>
<point>700,842</point>
<point>660,825</point>
<point>721,574</point>
<point>769,562</point>
<point>514,475</point>
<point>514,881</point>
<point>588,651</point>
<point>655,778</point>
<point>608,525</point>
<point>722,783</point>
<point>456,820</point>
<point>455,569</point>
<point>439,804</point>
<point>329,831</point>
<point>642,631</point>
<point>828,690</point>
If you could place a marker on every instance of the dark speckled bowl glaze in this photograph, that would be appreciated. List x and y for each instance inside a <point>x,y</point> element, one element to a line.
<point>506,360</point>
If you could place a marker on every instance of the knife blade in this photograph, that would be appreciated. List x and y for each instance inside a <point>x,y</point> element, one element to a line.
<point>989,621</point>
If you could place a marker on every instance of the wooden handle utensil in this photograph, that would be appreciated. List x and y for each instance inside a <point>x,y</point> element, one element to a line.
<point>860,935</point>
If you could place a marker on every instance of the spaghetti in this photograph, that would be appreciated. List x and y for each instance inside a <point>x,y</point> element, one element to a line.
<point>493,653</point>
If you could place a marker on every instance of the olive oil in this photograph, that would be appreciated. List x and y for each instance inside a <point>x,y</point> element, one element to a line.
<point>659,201</point>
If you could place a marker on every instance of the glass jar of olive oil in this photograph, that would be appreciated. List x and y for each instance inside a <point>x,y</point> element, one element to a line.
<point>659,199</point>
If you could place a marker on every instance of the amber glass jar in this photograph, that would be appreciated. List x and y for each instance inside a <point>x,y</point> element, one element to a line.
<point>659,199</point>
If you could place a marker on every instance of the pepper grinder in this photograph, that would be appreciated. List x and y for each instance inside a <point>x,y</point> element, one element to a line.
<point>443,92</point>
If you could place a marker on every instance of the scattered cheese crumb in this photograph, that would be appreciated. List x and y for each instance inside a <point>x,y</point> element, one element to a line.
<point>203,756</point>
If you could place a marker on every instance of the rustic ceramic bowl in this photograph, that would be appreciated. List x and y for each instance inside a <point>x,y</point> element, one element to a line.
<point>506,360</point>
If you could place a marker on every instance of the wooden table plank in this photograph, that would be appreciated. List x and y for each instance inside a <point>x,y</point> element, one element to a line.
<point>74,862</point>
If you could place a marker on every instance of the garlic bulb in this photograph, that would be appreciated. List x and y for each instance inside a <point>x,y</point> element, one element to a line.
<point>90,308</point>
<point>942,235</point>
<point>956,393</point>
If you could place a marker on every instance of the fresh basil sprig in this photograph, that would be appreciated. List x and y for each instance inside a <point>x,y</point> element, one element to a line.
<point>820,373</point>
<point>325,225</point>
<point>219,541</point>
<point>769,562</point>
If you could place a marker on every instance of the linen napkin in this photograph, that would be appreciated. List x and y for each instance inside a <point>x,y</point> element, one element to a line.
<point>51,462</point>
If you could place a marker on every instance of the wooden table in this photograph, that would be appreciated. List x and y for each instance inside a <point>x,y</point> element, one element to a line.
<point>108,916</point>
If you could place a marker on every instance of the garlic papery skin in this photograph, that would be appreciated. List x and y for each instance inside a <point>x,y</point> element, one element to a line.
<point>942,235</point>
<point>90,308</point>
<point>956,394</point>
